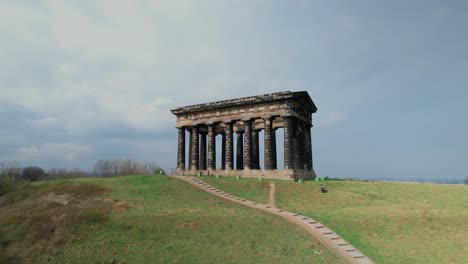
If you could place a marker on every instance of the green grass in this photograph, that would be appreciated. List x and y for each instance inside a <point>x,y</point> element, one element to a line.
<point>389,222</point>
<point>165,220</point>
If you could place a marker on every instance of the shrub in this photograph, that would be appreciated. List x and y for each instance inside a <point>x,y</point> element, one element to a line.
<point>6,185</point>
<point>159,171</point>
<point>32,173</point>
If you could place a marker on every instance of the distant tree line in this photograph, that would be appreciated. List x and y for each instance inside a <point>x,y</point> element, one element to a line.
<point>13,171</point>
<point>118,167</point>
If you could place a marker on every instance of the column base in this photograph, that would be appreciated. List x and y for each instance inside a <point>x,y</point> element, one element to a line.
<point>266,174</point>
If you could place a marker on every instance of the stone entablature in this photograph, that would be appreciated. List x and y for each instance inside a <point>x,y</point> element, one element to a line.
<point>246,117</point>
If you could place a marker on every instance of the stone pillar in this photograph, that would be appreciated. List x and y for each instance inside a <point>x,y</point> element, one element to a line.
<point>223,151</point>
<point>181,149</point>
<point>195,149</point>
<point>190,149</point>
<point>288,143</point>
<point>297,148</point>
<point>247,145</point>
<point>229,147</point>
<point>268,164</point>
<point>211,147</point>
<point>310,165</point>
<point>255,151</point>
<point>202,151</point>
<point>239,151</point>
<point>273,149</point>
<point>303,140</point>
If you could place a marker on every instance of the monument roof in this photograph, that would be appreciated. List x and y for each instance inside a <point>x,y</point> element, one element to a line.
<point>251,100</point>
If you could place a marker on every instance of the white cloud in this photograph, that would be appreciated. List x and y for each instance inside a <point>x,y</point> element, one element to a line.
<point>67,152</point>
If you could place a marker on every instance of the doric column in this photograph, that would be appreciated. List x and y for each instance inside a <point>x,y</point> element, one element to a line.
<point>211,147</point>
<point>310,165</point>
<point>288,143</point>
<point>297,148</point>
<point>247,145</point>
<point>239,151</point>
<point>229,147</point>
<point>223,151</point>
<point>189,161</point>
<point>273,149</point>
<point>268,164</point>
<point>303,143</point>
<point>181,149</point>
<point>202,151</point>
<point>255,151</point>
<point>195,149</point>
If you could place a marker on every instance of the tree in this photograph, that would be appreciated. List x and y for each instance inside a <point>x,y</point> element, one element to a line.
<point>104,168</point>
<point>150,168</point>
<point>466,180</point>
<point>56,173</point>
<point>117,167</point>
<point>10,170</point>
<point>32,173</point>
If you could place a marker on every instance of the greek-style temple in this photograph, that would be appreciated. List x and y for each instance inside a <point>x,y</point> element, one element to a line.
<point>244,119</point>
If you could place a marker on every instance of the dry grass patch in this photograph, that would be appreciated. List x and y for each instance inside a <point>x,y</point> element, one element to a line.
<point>36,219</point>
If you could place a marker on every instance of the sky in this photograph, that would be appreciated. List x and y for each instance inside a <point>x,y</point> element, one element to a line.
<point>87,80</point>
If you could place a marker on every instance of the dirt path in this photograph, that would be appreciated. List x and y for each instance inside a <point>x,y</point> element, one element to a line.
<point>333,241</point>
<point>271,196</point>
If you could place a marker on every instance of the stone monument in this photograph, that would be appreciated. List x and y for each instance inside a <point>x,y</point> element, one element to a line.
<point>244,118</point>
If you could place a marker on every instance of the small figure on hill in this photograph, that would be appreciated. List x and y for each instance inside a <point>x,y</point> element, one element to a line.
<point>323,189</point>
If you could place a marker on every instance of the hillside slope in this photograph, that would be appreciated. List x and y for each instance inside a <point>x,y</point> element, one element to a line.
<point>142,219</point>
<point>389,222</point>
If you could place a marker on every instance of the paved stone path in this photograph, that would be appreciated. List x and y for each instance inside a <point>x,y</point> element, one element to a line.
<point>271,195</point>
<point>336,243</point>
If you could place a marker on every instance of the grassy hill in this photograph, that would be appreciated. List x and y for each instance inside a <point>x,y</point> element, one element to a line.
<point>142,219</point>
<point>389,222</point>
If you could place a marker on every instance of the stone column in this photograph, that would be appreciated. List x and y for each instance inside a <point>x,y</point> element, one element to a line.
<point>288,144</point>
<point>202,151</point>
<point>211,147</point>
<point>268,164</point>
<point>303,138</point>
<point>195,149</point>
<point>247,145</point>
<point>229,147</point>
<point>297,148</point>
<point>223,151</point>
<point>310,165</point>
<point>181,149</point>
<point>255,151</point>
<point>190,149</point>
<point>239,151</point>
<point>273,149</point>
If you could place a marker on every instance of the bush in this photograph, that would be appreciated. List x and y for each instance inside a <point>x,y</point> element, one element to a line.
<point>466,180</point>
<point>159,171</point>
<point>58,173</point>
<point>10,170</point>
<point>6,185</point>
<point>32,173</point>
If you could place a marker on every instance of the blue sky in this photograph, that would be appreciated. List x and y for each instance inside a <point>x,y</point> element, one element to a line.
<point>85,80</point>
